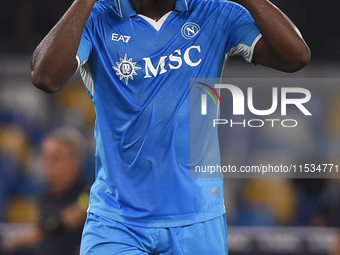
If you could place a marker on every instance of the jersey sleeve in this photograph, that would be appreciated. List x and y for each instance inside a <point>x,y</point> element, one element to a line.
<point>85,46</point>
<point>242,32</point>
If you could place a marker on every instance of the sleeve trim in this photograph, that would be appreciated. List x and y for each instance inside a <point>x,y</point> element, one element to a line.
<point>244,50</point>
<point>78,61</point>
<point>253,48</point>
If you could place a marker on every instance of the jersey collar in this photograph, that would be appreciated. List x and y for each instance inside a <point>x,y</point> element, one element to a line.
<point>125,7</point>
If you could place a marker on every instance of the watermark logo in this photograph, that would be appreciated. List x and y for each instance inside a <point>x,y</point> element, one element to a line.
<point>262,127</point>
<point>240,101</point>
<point>204,97</point>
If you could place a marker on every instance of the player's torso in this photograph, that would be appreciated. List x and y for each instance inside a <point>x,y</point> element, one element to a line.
<point>142,82</point>
<point>143,73</point>
<point>188,44</point>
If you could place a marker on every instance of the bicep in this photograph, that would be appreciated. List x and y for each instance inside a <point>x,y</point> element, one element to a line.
<point>262,56</point>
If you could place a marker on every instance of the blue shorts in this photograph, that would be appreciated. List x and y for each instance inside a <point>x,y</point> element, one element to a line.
<point>103,236</point>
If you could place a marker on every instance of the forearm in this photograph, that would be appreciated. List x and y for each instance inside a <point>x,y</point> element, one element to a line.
<point>281,37</point>
<point>53,61</point>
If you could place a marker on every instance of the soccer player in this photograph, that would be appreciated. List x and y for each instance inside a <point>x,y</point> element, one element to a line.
<point>136,58</point>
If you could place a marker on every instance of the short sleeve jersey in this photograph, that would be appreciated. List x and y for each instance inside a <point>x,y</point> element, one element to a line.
<point>137,73</point>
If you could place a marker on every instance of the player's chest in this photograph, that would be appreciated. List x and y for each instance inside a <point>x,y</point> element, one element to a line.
<point>141,38</point>
<point>140,49</point>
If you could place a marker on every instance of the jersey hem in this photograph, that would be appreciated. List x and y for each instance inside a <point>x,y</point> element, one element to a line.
<point>166,222</point>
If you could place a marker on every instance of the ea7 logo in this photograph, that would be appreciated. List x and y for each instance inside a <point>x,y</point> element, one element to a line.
<point>123,38</point>
<point>239,100</point>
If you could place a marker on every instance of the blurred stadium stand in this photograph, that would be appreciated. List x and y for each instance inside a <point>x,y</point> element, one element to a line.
<point>282,213</point>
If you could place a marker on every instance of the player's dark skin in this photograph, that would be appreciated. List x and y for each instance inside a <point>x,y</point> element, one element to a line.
<point>154,9</point>
<point>53,62</point>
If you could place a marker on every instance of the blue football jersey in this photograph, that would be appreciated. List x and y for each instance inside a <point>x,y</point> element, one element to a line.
<point>137,72</point>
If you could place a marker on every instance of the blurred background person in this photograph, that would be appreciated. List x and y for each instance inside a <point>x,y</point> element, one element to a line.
<point>64,202</point>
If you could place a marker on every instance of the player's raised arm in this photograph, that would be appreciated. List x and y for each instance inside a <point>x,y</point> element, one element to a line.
<point>281,46</point>
<point>53,61</point>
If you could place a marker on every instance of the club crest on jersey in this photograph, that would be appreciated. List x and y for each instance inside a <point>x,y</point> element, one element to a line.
<point>126,69</point>
<point>190,30</point>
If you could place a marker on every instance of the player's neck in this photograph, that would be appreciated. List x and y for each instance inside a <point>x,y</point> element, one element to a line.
<point>153,9</point>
